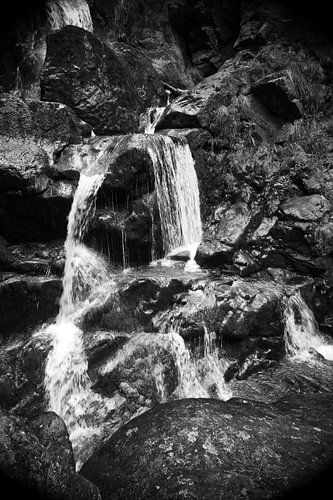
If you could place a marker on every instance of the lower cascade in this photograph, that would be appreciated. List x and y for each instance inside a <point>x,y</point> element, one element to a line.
<point>88,281</point>
<point>301,331</point>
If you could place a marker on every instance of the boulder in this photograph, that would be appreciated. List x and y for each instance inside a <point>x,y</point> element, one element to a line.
<point>56,125</point>
<point>136,302</point>
<point>23,166</point>
<point>192,449</point>
<point>22,373</point>
<point>37,258</point>
<point>37,457</point>
<point>27,301</point>
<point>305,208</point>
<point>16,118</point>
<point>107,86</point>
<point>50,125</point>
<point>226,230</point>
<point>277,92</point>
<point>182,113</point>
<point>232,308</point>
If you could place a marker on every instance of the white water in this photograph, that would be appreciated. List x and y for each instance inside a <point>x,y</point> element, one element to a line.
<point>62,13</point>
<point>301,331</point>
<point>196,377</point>
<point>86,284</point>
<point>177,192</point>
<point>154,115</point>
<point>201,377</point>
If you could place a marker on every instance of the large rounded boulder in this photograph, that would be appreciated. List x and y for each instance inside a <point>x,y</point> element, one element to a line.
<point>209,449</point>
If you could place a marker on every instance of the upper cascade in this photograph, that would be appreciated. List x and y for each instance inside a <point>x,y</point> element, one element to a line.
<point>177,192</point>
<point>62,13</point>
<point>169,163</point>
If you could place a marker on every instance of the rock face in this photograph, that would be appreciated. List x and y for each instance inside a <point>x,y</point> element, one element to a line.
<point>50,125</point>
<point>277,92</point>
<point>107,86</point>
<point>226,231</point>
<point>37,458</point>
<point>27,301</point>
<point>192,448</point>
<point>34,202</point>
<point>306,208</point>
<point>184,40</point>
<point>23,167</point>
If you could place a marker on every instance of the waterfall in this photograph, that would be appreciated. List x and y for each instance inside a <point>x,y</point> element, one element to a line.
<point>201,377</point>
<point>86,282</point>
<point>154,115</point>
<point>301,331</point>
<point>177,193</point>
<point>62,13</point>
<point>197,377</point>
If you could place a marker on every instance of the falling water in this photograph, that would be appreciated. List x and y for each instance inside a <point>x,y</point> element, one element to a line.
<point>85,283</point>
<point>154,115</point>
<point>61,13</point>
<point>177,192</point>
<point>301,331</point>
<point>197,377</point>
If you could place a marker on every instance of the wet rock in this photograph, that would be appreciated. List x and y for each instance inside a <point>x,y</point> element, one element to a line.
<point>22,372</point>
<point>182,113</point>
<point>143,372</point>
<point>108,98</point>
<point>23,166</point>
<point>27,301</point>
<point>38,457</point>
<point>56,125</point>
<point>277,92</point>
<point>49,125</point>
<point>180,255</point>
<point>16,117</point>
<point>102,344</point>
<point>195,137</point>
<point>234,310</point>
<point>227,228</point>
<point>174,451</point>
<point>37,258</point>
<point>305,208</point>
<point>136,302</point>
